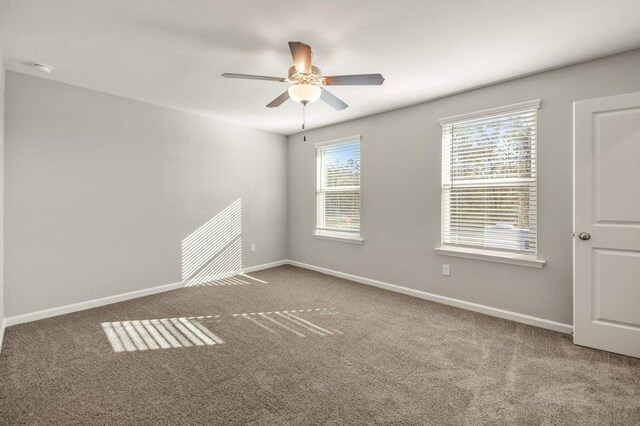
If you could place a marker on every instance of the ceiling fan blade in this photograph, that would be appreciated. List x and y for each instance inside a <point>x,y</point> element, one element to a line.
<point>301,54</point>
<point>279,100</point>
<point>356,80</point>
<point>252,77</point>
<point>333,100</point>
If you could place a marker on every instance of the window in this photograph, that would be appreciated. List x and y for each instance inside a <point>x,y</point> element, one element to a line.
<point>338,189</point>
<point>489,183</point>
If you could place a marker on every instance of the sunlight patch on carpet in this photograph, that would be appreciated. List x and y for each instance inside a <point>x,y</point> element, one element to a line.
<point>165,333</point>
<point>289,322</point>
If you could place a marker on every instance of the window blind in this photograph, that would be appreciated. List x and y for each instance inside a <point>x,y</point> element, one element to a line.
<point>489,182</point>
<point>338,186</point>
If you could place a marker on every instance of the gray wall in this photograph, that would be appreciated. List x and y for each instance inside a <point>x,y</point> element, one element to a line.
<point>101,190</point>
<point>2,84</point>
<point>401,176</point>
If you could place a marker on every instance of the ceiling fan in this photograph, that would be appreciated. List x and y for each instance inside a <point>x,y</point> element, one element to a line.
<point>308,81</point>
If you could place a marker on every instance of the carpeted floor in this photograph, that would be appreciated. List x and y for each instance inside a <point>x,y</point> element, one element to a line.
<point>311,349</point>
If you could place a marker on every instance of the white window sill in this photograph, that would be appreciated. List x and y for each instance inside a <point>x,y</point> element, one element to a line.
<point>343,237</point>
<point>491,256</point>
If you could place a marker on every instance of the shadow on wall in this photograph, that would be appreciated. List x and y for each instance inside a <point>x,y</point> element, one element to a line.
<point>214,250</point>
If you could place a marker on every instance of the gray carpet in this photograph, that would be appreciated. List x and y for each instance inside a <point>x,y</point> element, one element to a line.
<point>311,349</point>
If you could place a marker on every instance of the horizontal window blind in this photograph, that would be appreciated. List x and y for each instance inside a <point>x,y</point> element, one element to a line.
<point>338,187</point>
<point>489,182</point>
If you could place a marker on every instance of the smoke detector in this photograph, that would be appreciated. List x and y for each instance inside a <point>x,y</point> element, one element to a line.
<point>43,68</point>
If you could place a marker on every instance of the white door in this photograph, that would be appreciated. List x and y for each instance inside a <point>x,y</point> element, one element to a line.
<point>607,223</point>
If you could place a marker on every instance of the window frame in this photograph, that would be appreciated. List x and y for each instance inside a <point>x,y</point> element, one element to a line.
<point>479,252</point>
<point>352,237</point>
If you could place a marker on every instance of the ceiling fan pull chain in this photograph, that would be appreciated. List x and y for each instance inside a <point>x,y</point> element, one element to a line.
<point>304,114</point>
<point>304,119</point>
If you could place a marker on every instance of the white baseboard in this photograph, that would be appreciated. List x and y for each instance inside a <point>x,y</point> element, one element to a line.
<point>94,303</point>
<point>3,325</point>
<point>208,278</point>
<point>61,310</point>
<point>488,310</point>
<point>496,312</point>
<point>265,266</point>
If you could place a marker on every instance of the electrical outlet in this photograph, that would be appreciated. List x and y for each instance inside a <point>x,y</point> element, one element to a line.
<point>253,247</point>
<point>445,270</point>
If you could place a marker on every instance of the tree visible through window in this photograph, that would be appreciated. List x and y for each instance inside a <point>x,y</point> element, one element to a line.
<point>338,186</point>
<point>489,181</point>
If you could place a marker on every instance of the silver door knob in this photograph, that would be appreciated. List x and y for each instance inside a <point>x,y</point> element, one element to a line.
<point>584,236</point>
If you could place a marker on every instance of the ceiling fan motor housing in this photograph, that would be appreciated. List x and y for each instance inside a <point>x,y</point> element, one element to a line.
<point>315,77</point>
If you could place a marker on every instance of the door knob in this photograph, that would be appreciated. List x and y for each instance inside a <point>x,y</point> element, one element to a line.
<point>584,236</point>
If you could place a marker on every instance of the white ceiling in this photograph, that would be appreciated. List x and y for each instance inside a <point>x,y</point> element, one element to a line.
<point>172,53</point>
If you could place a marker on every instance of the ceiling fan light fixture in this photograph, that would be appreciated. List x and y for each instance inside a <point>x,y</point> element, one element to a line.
<point>305,93</point>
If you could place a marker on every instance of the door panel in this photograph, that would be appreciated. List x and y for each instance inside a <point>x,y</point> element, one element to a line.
<point>616,171</point>
<point>616,290</point>
<point>607,207</point>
